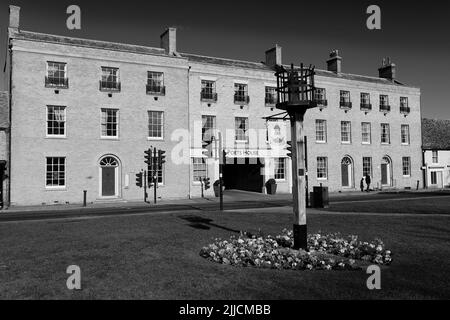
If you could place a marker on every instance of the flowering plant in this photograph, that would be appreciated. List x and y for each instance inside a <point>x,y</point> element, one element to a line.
<point>327,252</point>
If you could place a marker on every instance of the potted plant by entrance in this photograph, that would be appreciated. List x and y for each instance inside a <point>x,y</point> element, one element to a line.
<point>271,186</point>
<point>216,187</point>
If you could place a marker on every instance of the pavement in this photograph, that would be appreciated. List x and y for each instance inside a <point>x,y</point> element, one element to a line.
<point>233,200</point>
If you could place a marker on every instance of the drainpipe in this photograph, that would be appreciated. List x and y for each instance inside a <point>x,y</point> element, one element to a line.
<point>8,131</point>
<point>424,171</point>
<point>189,130</point>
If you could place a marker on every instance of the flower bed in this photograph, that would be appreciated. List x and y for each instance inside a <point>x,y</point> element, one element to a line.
<point>326,251</point>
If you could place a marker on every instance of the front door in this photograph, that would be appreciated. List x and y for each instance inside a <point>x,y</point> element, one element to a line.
<point>346,172</point>
<point>108,181</point>
<point>384,174</point>
<point>109,177</point>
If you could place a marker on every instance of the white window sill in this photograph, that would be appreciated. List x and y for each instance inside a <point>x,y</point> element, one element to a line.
<point>109,138</point>
<point>322,179</point>
<point>366,143</point>
<point>343,142</point>
<point>155,139</point>
<point>321,142</point>
<point>405,144</point>
<point>55,137</point>
<point>280,180</point>
<point>55,189</point>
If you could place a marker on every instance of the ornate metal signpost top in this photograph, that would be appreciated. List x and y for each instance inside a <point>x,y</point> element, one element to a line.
<point>296,94</point>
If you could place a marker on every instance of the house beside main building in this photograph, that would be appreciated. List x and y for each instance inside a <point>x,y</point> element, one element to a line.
<point>436,153</point>
<point>80,114</point>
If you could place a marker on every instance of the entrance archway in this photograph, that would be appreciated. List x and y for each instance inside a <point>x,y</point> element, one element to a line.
<point>386,172</point>
<point>109,177</point>
<point>347,172</point>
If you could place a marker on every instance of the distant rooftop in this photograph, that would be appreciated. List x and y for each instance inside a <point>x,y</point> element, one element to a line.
<point>435,134</point>
<point>106,45</point>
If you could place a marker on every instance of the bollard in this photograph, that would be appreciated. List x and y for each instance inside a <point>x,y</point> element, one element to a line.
<point>84,198</point>
<point>417,187</point>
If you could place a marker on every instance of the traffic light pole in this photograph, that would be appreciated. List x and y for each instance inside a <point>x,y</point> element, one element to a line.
<point>299,180</point>
<point>145,185</point>
<point>155,182</point>
<point>221,161</point>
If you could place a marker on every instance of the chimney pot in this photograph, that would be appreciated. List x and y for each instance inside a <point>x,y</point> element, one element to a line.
<point>334,64</point>
<point>273,56</point>
<point>14,17</point>
<point>169,41</point>
<point>387,70</point>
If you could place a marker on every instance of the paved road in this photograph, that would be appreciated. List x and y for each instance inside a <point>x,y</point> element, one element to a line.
<point>233,200</point>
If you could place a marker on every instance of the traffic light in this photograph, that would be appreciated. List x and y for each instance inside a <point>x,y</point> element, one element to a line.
<point>289,149</point>
<point>139,179</point>
<point>148,156</point>
<point>207,183</point>
<point>161,157</point>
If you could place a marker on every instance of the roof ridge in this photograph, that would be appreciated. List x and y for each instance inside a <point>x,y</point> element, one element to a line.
<point>221,58</point>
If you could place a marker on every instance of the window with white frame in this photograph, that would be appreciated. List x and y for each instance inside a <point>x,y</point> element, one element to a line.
<point>366,133</point>
<point>55,172</point>
<point>322,168</point>
<point>155,82</point>
<point>320,95</point>
<point>56,121</point>
<point>404,102</point>
<point>156,124</point>
<point>280,169</point>
<point>367,166</point>
<point>385,133</point>
<point>384,100</point>
<point>271,96</point>
<point>110,79</point>
<point>405,134</point>
<point>56,74</point>
<point>435,156</point>
<point>365,99</point>
<point>321,131</point>
<point>199,168</point>
<point>406,166</point>
<point>241,93</point>
<point>344,97</point>
<point>241,129</point>
<point>208,92</point>
<point>346,132</point>
<point>110,123</point>
<point>208,128</point>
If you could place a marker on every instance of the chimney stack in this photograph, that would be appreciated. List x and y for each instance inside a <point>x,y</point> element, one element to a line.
<point>273,56</point>
<point>169,41</point>
<point>14,17</point>
<point>335,62</point>
<point>387,70</point>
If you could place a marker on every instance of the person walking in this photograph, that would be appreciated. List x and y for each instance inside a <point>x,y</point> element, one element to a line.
<point>361,184</point>
<point>368,183</point>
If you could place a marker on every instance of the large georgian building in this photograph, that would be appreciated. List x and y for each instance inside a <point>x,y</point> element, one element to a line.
<point>81,113</point>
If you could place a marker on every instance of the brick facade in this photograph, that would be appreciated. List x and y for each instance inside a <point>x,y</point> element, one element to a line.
<point>83,148</point>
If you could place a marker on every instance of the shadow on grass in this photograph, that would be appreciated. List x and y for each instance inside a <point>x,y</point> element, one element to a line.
<point>202,223</point>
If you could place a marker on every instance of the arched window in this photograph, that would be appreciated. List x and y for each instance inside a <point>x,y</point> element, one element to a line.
<point>109,162</point>
<point>346,161</point>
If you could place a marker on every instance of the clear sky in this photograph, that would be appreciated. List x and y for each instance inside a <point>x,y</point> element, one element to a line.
<point>414,34</point>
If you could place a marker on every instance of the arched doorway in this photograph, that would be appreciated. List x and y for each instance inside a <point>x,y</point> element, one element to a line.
<point>109,177</point>
<point>347,172</point>
<point>386,172</point>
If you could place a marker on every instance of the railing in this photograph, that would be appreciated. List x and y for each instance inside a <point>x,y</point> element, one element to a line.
<point>109,86</point>
<point>152,89</point>
<point>345,104</point>
<point>241,99</point>
<point>56,82</point>
<point>271,100</point>
<point>208,96</point>
<point>385,108</point>
<point>366,106</point>
<point>405,110</point>
<point>321,102</point>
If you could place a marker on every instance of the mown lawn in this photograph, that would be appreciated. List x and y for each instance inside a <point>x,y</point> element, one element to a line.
<point>430,205</point>
<point>157,257</point>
